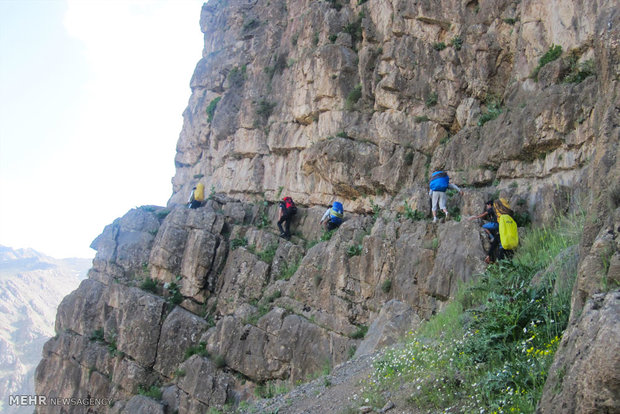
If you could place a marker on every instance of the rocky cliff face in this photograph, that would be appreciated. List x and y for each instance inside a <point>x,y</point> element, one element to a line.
<point>327,100</point>
<point>31,287</point>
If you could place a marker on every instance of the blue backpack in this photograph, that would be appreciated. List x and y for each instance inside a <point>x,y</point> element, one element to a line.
<point>439,181</point>
<point>336,213</point>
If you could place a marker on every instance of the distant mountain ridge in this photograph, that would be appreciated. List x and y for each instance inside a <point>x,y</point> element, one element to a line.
<point>32,285</point>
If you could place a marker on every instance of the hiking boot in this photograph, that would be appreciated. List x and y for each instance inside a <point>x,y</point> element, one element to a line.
<point>434,219</point>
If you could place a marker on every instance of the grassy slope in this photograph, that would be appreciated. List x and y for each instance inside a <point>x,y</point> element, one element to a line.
<point>490,349</point>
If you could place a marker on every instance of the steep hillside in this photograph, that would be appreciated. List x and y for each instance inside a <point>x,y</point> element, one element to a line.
<point>190,309</point>
<point>31,287</point>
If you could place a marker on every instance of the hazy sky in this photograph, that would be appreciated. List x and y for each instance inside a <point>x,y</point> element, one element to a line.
<point>91,97</point>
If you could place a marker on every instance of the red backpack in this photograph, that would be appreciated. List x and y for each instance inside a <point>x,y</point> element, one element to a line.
<point>289,205</point>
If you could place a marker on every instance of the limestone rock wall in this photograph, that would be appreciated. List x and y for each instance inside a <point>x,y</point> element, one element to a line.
<point>190,301</point>
<point>325,100</point>
<point>358,101</point>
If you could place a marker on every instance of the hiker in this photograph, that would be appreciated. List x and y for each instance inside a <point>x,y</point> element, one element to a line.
<point>197,196</point>
<point>286,211</point>
<point>332,218</point>
<point>439,183</point>
<point>491,218</point>
<point>506,237</point>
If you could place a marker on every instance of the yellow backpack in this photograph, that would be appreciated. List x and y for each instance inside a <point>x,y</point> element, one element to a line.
<point>199,192</point>
<point>508,233</point>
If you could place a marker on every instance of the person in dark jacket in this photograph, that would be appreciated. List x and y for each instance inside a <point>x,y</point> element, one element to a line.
<point>286,211</point>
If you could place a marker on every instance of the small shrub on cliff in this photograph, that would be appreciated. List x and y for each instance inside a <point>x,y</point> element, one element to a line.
<point>355,30</point>
<point>411,214</point>
<point>335,4</point>
<point>327,235</point>
<point>360,333</point>
<point>162,214</point>
<point>439,46</point>
<point>354,250</point>
<point>236,76</point>
<point>250,24</point>
<point>149,285</point>
<point>175,297</point>
<point>264,108</point>
<point>456,42</point>
<point>200,349</point>
<point>211,108</point>
<point>153,392</point>
<point>552,54</point>
<point>493,111</point>
<point>579,71</point>
<point>289,270</point>
<point>219,361</point>
<point>235,243</point>
<point>386,286</point>
<point>431,100</point>
<point>268,254</point>
<point>353,97</point>
<point>270,389</point>
<point>97,335</point>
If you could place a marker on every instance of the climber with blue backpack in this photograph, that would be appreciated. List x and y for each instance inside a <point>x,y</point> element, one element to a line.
<point>440,182</point>
<point>332,219</point>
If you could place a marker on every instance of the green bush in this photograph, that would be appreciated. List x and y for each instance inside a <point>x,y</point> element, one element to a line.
<point>335,4</point>
<point>268,254</point>
<point>360,333</point>
<point>386,286</point>
<point>289,270</point>
<point>353,97</point>
<point>552,54</point>
<point>236,76</point>
<point>211,108</point>
<point>493,111</point>
<point>431,100</point>
<point>175,294</point>
<point>439,46</point>
<point>97,335</point>
<point>153,392</point>
<point>327,235</point>
<point>219,361</point>
<point>579,71</point>
<point>235,243</point>
<point>413,215</point>
<point>354,250</point>
<point>149,285</point>
<point>457,42</point>
<point>355,30</point>
<point>250,24</point>
<point>200,349</point>
<point>265,108</point>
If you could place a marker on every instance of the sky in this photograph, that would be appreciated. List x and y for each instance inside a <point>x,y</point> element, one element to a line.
<point>91,101</point>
